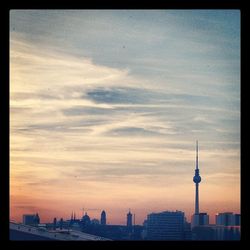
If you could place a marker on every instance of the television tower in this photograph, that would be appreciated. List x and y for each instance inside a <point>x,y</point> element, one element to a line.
<point>197,180</point>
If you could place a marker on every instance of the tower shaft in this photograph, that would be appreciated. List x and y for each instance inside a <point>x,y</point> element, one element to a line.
<point>197,184</point>
<point>197,198</point>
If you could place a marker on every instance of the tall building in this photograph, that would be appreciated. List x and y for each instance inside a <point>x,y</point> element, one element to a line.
<point>129,219</point>
<point>227,219</point>
<point>103,218</point>
<point>166,226</point>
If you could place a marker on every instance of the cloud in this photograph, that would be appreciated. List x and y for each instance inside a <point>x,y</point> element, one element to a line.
<point>119,95</point>
<point>83,110</point>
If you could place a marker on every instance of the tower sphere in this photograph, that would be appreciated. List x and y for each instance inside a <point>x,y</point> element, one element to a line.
<point>197,179</point>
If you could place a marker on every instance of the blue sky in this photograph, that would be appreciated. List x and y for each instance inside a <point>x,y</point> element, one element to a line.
<point>117,99</point>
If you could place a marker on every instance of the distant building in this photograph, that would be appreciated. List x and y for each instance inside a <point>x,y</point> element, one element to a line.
<point>73,217</point>
<point>103,218</point>
<point>144,230</point>
<point>237,219</point>
<point>85,219</point>
<point>227,219</point>
<point>61,224</point>
<point>31,219</point>
<point>216,232</point>
<point>37,219</point>
<point>54,224</point>
<point>187,231</point>
<point>129,219</point>
<point>165,226</point>
<point>203,233</point>
<point>200,219</point>
<point>95,222</point>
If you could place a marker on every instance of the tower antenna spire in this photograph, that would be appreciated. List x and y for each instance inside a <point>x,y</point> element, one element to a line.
<point>196,154</point>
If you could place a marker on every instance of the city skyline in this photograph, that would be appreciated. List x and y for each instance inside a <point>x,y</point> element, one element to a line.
<point>106,106</point>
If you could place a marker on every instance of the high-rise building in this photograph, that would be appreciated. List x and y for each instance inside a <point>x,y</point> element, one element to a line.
<point>103,218</point>
<point>129,219</point>
<point>166,226</point>
<point>227,219</point>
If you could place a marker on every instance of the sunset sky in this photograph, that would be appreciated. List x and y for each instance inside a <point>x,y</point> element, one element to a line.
<point>106,107</point>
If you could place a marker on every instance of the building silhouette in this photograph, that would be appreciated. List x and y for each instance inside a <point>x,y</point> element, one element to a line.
<point>31,219</point>
<point>216,232</point>
<point>61,223</point>
<point>129,219</point>
<point>103,218</point>
<point>85,220</point>
<point>95,222</point>
<point>200,219</point>
<point>227,219</point>
<point>73,217</point>
<point>166,226</point>
<point>237,219</point>
<point>54,224</point>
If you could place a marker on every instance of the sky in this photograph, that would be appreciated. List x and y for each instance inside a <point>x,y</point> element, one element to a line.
<point>106,107</point>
